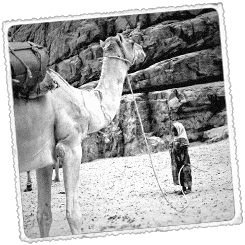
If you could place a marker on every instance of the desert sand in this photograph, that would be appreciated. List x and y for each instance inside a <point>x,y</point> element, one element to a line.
<point>121,194</point>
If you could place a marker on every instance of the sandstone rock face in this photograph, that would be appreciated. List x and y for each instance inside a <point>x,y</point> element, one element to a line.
<point>167,40</point>
<point>133,136</point>
<point>191,68</point>
<point>162,36</point>
<point>180,79</point>
<point>198,107</point>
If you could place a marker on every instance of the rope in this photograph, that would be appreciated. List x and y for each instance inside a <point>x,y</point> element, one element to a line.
<point>148,151</point>
<point>128,62</point>
<point>119,58</point>
<point>198,168</point>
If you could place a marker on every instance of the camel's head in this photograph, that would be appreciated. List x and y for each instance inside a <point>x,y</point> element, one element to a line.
<point>123,48</point>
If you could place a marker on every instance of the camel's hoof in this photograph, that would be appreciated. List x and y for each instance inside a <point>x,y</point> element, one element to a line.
<point>179,193</point>
<point>28,189</point>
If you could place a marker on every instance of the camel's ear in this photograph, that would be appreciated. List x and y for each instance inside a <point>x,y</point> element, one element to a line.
<point>101,43</point>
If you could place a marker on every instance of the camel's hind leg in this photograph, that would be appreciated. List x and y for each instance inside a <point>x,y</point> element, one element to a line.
<point>71,159</point>
<point>29,182</point>
<point>44,215</point>
<point>56,166</point>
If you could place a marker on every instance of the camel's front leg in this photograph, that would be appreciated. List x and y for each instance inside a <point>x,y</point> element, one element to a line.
<point>71,159</point>
<point>44,215</point>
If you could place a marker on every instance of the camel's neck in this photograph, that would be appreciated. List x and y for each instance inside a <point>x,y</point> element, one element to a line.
<point>112,68</point>
<point>110,87</point>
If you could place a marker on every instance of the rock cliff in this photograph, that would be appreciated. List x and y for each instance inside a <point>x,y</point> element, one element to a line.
<point>180,79</point>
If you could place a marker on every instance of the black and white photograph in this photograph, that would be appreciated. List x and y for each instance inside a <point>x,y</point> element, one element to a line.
<point>121,123</point>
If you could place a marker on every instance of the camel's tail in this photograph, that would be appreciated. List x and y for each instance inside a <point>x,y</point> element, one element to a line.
<point>58,79</point>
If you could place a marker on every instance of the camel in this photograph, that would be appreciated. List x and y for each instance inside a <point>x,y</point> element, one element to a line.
<point>52,127</point>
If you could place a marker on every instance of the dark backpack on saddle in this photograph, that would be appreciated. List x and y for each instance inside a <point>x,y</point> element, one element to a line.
<point>29,62</point>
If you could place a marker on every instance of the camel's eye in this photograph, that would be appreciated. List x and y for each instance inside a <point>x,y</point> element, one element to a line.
<point>120,38</point>
<point>131,42</point>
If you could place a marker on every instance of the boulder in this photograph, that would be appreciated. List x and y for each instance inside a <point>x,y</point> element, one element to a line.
<point>216,134</point>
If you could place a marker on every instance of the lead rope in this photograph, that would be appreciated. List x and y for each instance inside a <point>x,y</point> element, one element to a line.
<point>149,154</point>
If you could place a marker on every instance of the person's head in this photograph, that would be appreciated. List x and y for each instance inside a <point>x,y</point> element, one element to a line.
<point>179,130</point>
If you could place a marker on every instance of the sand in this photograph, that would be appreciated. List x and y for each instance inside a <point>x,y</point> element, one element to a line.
<point>121,194</point>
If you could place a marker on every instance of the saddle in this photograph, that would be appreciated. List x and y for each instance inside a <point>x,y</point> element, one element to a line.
<point>29,63</point>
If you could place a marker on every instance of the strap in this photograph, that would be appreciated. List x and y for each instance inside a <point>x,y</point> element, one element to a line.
<point>29,73</point>
<point>35,48</point>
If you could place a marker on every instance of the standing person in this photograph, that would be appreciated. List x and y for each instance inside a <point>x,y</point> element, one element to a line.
<point>180,159</point>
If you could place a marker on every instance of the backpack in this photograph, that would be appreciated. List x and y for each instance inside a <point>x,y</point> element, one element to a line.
<point>29,62</point>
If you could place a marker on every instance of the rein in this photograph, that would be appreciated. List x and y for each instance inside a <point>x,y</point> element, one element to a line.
<point>119,58</point>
